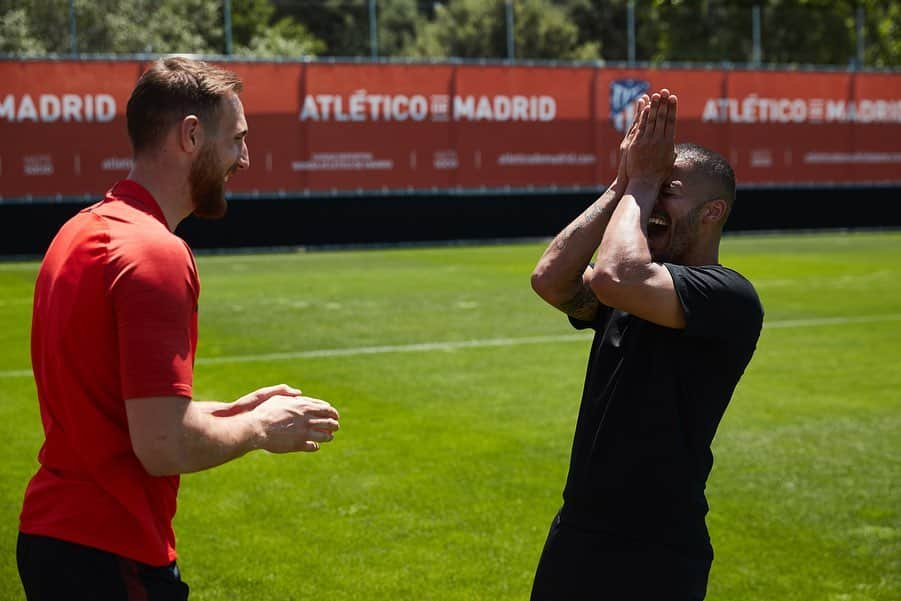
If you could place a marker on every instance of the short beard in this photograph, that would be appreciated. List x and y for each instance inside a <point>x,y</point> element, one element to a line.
<point>207,185</point>
<point>685,235</point>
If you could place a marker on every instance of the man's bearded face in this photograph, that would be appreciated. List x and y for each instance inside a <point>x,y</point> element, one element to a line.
<point>684,231</point>
<point>207,181</point>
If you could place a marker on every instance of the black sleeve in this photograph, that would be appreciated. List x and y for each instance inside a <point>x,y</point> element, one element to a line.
<point>718,302</point>
<point>598,322</point>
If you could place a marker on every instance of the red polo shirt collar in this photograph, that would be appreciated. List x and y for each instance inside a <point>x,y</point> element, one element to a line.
<point>137,196</point>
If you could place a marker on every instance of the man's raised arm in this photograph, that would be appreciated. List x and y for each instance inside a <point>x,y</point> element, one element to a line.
<point>562,273</point>
<point>626,276</point>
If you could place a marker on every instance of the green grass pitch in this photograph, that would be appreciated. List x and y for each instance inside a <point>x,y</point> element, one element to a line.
<point>451,458</point>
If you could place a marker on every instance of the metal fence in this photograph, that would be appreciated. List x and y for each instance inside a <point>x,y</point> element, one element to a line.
<point>637,31</point>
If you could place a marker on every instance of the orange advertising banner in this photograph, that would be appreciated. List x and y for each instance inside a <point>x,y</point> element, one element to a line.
<point>344,128</point>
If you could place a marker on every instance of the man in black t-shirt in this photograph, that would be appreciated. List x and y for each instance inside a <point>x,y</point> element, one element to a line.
<point>674,331</point>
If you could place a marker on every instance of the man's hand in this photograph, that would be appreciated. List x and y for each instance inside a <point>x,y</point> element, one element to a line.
<point>250,401</point>
<point>621,177</point>
<point>650,153</point>
<point>295,423</point>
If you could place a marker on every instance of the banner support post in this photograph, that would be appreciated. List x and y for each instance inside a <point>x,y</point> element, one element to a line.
<point>73,33</point>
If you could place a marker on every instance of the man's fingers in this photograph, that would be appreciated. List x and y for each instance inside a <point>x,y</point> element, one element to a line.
<point>319,436</point>
<point>630,133</point>
<point>326,424</point>
<point>639,105</point>
<point>270,391</point>
<point>673,103</point>
<point>642,124</point>
<point>314,401</point>
<point>652,115</point>
<point>319,404</point>
<point>251,400</point>
<point>636,119</point>
<point>324,412</point>
<point>662,114</point>
<point>641,113</point>
<point>309,446</point>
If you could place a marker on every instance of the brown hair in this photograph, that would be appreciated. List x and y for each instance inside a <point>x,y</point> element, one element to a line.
<point>171,89</point>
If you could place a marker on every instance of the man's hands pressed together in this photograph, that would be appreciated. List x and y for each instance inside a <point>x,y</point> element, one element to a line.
<point>625,275</point>
<point>649,150</point>
<point>560,277</point>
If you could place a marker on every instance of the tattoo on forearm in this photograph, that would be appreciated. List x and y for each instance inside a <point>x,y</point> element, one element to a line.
<point>594,212</point>
<point>583,305</point>
<point>599,209</point>
<point>564,236</point>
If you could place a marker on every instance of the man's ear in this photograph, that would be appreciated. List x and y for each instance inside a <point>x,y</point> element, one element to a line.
<point>714,211</point>
<point>190,134</point>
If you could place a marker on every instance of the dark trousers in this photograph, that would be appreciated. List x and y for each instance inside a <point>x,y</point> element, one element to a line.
<point>582,565</point>
<point>56,570</point>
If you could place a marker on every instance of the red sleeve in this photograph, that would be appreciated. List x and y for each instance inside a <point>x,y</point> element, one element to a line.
<point>154,290</point>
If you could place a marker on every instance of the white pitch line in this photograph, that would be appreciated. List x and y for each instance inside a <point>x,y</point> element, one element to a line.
<point>400,348</point>
<point>16,373</point>
<point>478,343</point>
<point>825,321</point>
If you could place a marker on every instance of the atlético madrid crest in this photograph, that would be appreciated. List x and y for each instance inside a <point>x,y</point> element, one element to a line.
<point>623,94</point>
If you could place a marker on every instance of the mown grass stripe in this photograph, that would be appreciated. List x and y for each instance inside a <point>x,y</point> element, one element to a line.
<point>477,343</point>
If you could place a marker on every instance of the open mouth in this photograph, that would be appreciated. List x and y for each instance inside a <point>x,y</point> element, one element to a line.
<point>658,224</point>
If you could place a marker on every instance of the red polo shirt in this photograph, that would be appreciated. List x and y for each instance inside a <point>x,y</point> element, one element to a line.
<point>115,317</point>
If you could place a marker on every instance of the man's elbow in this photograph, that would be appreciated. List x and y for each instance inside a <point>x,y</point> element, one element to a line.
<point>541,281</point>
<point>611,280</point>
<point>603,281</point>
<point>549,287</point>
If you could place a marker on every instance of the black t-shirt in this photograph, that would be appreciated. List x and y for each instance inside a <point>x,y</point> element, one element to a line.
<point>652,401</point>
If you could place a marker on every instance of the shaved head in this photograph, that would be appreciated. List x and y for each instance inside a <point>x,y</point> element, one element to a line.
<point>713,169</point>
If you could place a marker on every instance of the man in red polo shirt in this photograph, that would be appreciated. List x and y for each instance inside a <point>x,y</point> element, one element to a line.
<point>113,340</point>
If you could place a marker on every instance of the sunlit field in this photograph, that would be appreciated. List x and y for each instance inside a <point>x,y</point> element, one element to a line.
<point>458,390</point>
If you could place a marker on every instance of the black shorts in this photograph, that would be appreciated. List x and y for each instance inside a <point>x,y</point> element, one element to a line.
<point>56,570</point>
<point>582,565</point>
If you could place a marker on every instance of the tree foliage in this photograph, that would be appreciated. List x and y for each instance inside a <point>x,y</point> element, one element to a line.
<point>792,31</point>
<point>883,49</point>
<point>546,31</point>
<point>16,34</point>
<point>478,29</point>
<point>709,30</point>
<point>258,31</point>
<point>159,26</point>
<point>344,25</point>
<point>116,26</point>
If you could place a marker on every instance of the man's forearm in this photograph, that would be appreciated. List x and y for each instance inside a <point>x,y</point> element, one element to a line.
<point>222,409</point>
<point>211,407</point>
<point>624,247</point>
<point>208,440</point>
<point>558,275</point>
<point>174,435</point>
